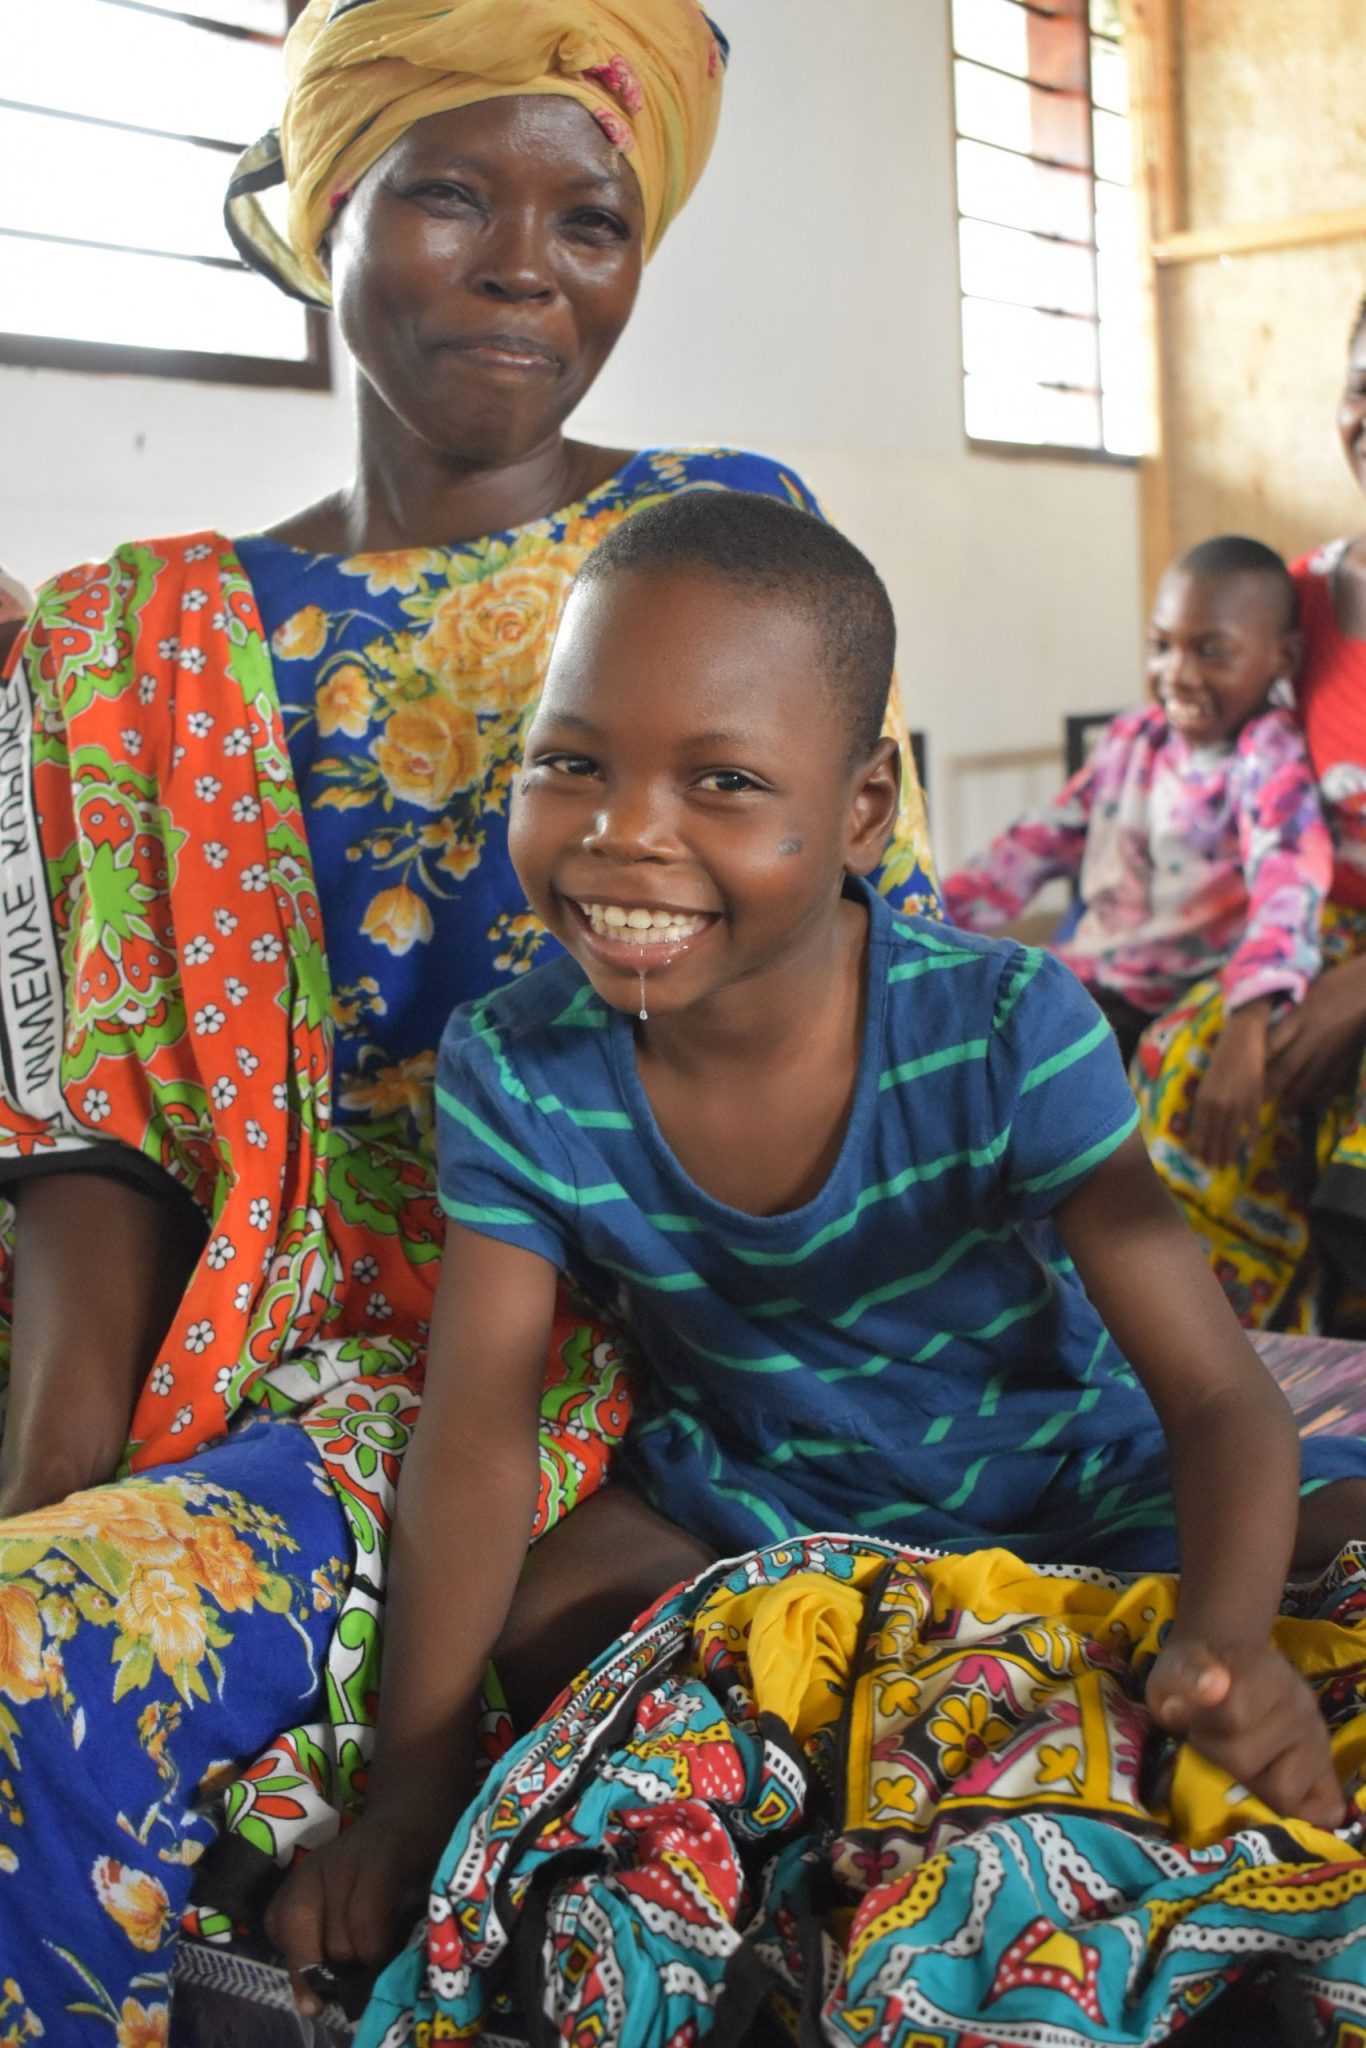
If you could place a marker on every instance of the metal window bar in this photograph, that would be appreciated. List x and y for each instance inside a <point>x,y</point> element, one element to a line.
<point>1084,32</point>
<point>37,349</point>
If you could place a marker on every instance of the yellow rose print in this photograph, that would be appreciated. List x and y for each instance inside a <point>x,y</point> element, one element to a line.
<point>302,635</point>
<point>403,569</point>
<point>397,919</point>
<point>224,1566</point>
<point>162,1607</point>
<point>136,1900</point>
<point>406,1086</point>
<point>345,701</point>
<point>21,1644</point>
<point>487,640</point>
<point>143,2026</point>
<point>430,750</point>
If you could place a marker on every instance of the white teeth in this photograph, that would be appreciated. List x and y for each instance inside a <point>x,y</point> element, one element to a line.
<point>643,927</point>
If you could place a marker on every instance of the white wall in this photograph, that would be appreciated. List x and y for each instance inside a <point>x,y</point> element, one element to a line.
<point>806,304</point>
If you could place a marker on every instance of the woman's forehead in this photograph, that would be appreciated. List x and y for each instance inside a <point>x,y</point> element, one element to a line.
<point>512,133</point>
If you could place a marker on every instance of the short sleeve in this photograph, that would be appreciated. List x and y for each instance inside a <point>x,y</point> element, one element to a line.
<point>1059,1089</point>
<point>502,1171</point>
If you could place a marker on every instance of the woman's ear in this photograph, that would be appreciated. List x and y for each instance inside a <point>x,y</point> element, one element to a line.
<point>874,798</point>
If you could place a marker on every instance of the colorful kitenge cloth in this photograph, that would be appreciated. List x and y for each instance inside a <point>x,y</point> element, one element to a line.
<point>1286,1227</point>
<point>168,1008</point>
<point>1190,862</point>
<point>842,1793</point>
<point>910,1354</point>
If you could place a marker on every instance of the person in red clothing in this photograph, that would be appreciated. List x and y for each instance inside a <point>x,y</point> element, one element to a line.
<point>1285,1225</point>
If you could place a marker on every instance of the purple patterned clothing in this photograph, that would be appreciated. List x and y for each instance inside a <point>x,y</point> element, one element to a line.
<point>1190,861</point>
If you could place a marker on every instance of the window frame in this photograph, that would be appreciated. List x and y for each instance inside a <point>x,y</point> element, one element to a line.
<point>976,444</point>
<point>310,372</point>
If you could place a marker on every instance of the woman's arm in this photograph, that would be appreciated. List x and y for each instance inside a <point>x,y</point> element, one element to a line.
<point>100,1266</point>
<point>1313,1052</point>
<point>1234,1456</point>
<point>461,1528</point>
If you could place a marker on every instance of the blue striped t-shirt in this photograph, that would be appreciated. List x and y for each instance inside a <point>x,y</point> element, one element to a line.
<point>908,1354</point>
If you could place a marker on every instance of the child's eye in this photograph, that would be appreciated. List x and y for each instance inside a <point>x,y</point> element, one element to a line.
<point>567,764</point>
<point>727,781</point>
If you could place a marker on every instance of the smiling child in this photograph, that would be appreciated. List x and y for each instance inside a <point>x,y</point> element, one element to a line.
<point>1193,832</point>
<point>812,1154</point>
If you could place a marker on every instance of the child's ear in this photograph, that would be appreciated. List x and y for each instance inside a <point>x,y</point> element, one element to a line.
<point>873,803</point>
<point>1292,654</point>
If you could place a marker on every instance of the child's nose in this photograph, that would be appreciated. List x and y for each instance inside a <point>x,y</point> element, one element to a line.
<point>631,825</point>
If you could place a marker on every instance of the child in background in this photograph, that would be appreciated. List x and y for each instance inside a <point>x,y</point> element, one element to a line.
<point>810,1152</point>
<point>1194,833</point>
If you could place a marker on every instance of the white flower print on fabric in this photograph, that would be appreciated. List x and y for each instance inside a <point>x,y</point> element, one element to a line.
<point>200,552</point>
<point>223,1092</point>
<point>236,991</point>
<point>222,1379</point>
<point>279,1094</point>
<point>194,600</point>
<point>238,741</point>
<point>132,739</point>
<point>95,1105</point>
<point>184,1417</point>
<point>258,1215</point>
<point>207,787</point>
<point>255,878</point>
<point>215,853</point>
<point>221,1251</point>
<point>268,947</point>
<point>225,921</point>
<point>198,950</point>
<point>147,689</point>
<point>199,1336</point>
<point>169,648</point>
<point>247,1060</point>
<point>195,660</point>
<point>209,1019</point>
<point>255,1135</point>
<point>200,724</point>
<point>379,1306</point>
<point>241,1296</point>
<point>163,1379</point>
<point>246,810</point>
<point>365,1269</point>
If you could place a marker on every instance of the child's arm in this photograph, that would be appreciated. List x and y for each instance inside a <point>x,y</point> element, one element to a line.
<point>1287,859</point>
<point>466,1498</point>
<point>1235,1479</point>
<point>1002,882</point>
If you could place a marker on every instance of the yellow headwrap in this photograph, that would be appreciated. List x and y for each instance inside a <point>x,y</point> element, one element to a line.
<point>361,72</point>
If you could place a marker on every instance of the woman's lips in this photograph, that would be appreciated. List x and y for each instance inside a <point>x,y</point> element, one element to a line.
<point>505,352</point>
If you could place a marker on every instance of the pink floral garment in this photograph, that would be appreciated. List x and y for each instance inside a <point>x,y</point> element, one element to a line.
<point>1191,861</point>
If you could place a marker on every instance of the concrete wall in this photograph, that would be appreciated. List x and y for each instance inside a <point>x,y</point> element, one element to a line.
<point>807,305</point>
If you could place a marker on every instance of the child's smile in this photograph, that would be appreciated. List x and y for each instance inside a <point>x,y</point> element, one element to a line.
<point>688,809</point>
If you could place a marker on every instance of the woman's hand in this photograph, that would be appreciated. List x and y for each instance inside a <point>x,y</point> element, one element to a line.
<point>1251,1713</point>
<point>349,1905</point>
<point>1229,1100</point>
<point>99,1270</point>
<point>1313,1052</point>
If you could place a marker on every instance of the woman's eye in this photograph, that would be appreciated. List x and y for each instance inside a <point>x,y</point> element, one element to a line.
<point>594,224</point>
<point>727,781</point>
<point>444,192</point>
<point>567,764</point>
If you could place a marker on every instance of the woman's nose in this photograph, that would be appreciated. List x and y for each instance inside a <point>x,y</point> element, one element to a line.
<point>513,262</point>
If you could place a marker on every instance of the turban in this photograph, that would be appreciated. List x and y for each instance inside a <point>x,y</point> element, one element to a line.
<point>361,72</point>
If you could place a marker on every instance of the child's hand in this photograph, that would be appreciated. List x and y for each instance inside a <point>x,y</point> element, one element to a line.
<point>1250,1712</point>
<point>1228,1102</point>
<point>351,1903</point>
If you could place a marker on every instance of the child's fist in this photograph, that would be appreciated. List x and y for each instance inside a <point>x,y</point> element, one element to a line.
<point>1252,1714</point>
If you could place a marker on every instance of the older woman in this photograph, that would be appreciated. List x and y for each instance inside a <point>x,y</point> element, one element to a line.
<point>1286,1223</point>
<point>255,851</point>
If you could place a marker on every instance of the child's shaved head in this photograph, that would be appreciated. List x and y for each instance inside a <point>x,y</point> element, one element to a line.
<point>784,553</point>
<point>1235,554</point>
